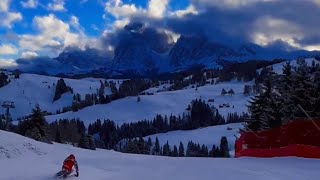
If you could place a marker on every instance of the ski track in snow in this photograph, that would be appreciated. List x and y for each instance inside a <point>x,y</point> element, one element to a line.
<point>110,165</point>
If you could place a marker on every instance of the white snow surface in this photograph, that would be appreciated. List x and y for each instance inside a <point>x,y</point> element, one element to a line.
<point>128,110</point>
<point>25,159</point>
<point>160,88</point>
<point>32,89</point>
<point>208,136</point>
<point>277,68</point>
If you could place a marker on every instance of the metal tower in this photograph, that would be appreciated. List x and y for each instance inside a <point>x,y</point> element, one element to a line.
<point>7,105</point>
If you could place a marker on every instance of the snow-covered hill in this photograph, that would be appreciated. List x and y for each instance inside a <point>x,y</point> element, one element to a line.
<point>277,68</point>
<point>208,136</point>
<point>31,89</point>
<point>23,158</point>
<point>164,103</point>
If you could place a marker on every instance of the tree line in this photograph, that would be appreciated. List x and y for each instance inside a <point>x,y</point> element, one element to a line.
<point>3,79</point>
<point>281,95</point>
<point>110,136</point>
<point>141,146</point>
<point>132,87</point>
<point>199,115</point>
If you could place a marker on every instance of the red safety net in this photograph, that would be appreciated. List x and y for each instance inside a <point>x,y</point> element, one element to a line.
<point>300,138</point>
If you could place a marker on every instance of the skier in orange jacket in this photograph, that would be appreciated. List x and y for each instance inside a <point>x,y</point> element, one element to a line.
<point>67,166</point>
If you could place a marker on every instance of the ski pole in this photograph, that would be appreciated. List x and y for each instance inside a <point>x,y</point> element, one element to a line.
<point>315,124</point>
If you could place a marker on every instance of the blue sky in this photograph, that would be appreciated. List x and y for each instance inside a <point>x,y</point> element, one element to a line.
<point>31,28</point>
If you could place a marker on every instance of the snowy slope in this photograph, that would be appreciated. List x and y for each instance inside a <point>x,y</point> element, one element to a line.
<point>277,68</point>
<point>164,103</point>
<point>160,88</point>
<point>208,136</point>
<point>22,158</point>
<point>33,89</point>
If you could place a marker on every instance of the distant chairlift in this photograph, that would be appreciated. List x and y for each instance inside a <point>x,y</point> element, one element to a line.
<point>7,105</point>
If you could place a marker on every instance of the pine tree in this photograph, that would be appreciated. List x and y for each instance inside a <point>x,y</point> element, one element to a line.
<point>301,91</point>
<point>284,89</point>
<point>316,100</point>
<point>223,92</point>
<point>217,152</point>
<point>157,147</point>
<point>204,151</point>
<point>189,151</point>
<point>224,147</point>
<point>87,142</point>
<point>92,144</point>
<point>181,150</point>
<point>61,88</point>
<point>264,108</point>
<point>37,127</point>
<point>247,90</point>
<point>166,149</point>
<point>58,137</point>
<point>149,142</point>
<point>231,92</point>
<point>83,142</point>
<point>141,146</point>
<point>212,153</point>
<point>175,151</point>
<point>3,79</point>
<point>101,93</point>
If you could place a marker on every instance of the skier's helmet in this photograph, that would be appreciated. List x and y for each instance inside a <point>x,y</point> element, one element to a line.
<point>72,156</point>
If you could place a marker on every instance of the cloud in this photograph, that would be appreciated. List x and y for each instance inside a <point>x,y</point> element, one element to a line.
<point>53,36</point>
<point>29,4</point>
<point>7,17</point>
<point>137,34</point>
<point>234,22</point>
<point>157,8</point>
<point>7,63</point>
<point>74,22</point>
<point>120,10</point>
<point>269,30</point>
<point>57,5</point>
<point>120,24</point>
<point>228,4</point>
<point>8,49</point>
<point>183,12</point>
<point>239,22</point>
<point>4,5</point>
<point>29,55</point>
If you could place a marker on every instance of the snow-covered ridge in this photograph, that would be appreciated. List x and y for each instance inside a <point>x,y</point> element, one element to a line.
<point>277,68</point>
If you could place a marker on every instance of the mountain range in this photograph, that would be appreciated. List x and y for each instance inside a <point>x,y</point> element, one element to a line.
<point>144,51</point>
